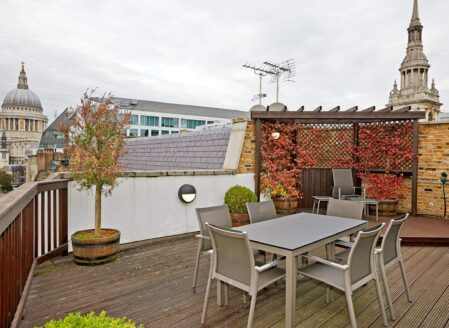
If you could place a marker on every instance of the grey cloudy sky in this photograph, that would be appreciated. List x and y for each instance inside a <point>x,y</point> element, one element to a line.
<point>347,51</point>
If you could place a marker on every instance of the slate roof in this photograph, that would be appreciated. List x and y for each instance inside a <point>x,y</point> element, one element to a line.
<point>196,150</point>
<point>161,107</point>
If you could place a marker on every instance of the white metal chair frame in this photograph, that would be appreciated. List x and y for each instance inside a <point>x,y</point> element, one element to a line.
<point>348,285</point>
<point>394,256</point>
<point>254,285</point>
<point>204,244</point>
<point>385,262</point>
<point>350,185</point>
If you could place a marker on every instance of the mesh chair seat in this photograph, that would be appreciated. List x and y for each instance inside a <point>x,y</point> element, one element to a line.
<point>266,278</point>
<point>325,273</point>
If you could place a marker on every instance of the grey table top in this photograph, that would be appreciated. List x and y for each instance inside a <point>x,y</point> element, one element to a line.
<point>298,230</point>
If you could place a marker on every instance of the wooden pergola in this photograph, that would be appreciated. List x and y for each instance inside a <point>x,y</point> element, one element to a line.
<point>337,116</point>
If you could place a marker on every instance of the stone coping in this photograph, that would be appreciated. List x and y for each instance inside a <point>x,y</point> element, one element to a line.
<point>153,174</point>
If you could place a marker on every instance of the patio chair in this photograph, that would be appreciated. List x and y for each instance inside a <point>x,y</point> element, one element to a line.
<point>217,215</point>
<point>345,208</point>
<point>388,254</point>
<point>359,269</point>
<point>233,263</point>
<point>344,184</point>
<point>261,211</point>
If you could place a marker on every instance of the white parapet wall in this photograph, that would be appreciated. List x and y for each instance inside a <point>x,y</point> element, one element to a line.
<point>147,205</point>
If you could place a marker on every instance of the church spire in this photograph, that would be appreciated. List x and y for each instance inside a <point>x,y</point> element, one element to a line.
<point>415,15</point>
<point>23,84</point>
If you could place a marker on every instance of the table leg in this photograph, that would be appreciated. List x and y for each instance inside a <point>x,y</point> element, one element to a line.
<point>219,295</point>
<point>313,206</point>
<point>290,291</point>
<point>318,209</point>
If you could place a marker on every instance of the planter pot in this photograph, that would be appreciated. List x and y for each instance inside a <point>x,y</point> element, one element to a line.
<point>239,219</point>
<point>388,207</point>
<point>286,205</point>
<point>90,250</point>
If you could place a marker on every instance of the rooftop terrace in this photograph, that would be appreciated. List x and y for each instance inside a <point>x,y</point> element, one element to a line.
<point>151,284</point>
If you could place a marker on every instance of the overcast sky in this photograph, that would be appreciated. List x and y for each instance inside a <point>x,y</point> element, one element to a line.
<point>347,52</point>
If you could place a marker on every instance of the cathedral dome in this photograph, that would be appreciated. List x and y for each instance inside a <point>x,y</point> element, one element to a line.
<point>22,96</point>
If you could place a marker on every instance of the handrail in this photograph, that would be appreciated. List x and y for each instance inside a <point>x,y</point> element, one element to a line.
<point>33,228</point>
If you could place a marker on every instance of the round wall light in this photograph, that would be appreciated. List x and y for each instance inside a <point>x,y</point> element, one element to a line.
<point>187,193</point>
<point>276,135</point>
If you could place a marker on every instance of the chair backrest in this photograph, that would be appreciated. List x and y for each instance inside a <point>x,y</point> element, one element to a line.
<point>351,209</point>
<point>391,240</point>
<point>344,180</point>
<point>232,256</point>
<point>216,215</point>
<point>261,211</point>
<point>361,256</point>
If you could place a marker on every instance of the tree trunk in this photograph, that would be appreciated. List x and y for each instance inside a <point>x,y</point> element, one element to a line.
<point>98,189</point>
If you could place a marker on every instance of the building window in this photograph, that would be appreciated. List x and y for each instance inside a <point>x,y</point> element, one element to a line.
<point>164,132</point>
<point>210,122</point>
<point>134,120</point>
<point>3,155</point>
<point>132,133</point>
<point>174,132</point>
<point>169,122</point>
<point>149,120</point>
<point>191,124</point>
<point>144,132</point>
<point>154,133</point>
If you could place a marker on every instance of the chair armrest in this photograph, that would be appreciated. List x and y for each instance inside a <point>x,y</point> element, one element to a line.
<point>326,262</point>
<point>343,244</point>
<point>202,237</point>
<point>268,265</point>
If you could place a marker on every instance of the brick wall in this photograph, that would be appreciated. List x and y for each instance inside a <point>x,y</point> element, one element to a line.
<point>247,162</point>
<point>433,159</point>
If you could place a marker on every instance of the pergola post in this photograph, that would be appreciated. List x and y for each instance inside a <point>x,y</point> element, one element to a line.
<point>415,168</point>
<point>258,157</point>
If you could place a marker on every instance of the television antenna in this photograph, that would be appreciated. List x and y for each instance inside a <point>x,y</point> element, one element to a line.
<point>261,72</point>
<point>284,71</point>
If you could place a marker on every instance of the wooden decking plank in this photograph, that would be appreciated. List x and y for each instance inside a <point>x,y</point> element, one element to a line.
<point>415,268</point>
<point>439,315</point>
<point>152,285</point>
<point>423,304</point>
<point>417,286</point>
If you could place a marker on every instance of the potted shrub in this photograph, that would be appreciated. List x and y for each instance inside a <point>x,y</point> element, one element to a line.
<point>280,166</point>
<point>236,198</point>
<point>96,142</point>
<point>90,320</point>
<point>384,188</point>
<point>386,149</point>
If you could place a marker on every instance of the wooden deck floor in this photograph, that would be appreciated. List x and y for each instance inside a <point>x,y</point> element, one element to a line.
<point>151,285</point>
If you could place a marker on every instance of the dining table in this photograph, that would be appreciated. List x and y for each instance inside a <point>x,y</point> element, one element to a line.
<point>293,235</point>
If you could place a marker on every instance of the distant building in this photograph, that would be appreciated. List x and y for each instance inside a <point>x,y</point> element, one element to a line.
<point>414,88</point>
<point>152,118</point>
<point>21,121</point>
<point>53,136</point>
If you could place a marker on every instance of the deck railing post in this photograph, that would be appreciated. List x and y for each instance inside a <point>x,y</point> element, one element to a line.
<point>63,217</point>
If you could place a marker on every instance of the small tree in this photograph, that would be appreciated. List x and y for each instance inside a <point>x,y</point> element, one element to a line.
<point>96,142</point>
<point>5,181</point>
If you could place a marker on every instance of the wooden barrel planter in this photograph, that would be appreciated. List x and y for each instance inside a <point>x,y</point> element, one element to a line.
<point>286,206</point>
<point>93,250</point>
<point>388,207</point>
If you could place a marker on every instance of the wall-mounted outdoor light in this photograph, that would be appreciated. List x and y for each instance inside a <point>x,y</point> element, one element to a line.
<point>443,180</point>
<point>276,135</point>
<point>187,193</point>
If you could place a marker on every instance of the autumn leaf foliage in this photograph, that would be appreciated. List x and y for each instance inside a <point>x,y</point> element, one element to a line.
<point>96,142</point>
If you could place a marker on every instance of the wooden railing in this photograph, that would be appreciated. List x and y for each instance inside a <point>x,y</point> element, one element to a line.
<point>33,228</point>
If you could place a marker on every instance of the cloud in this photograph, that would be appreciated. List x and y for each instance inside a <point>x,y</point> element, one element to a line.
<point>347,52</point>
